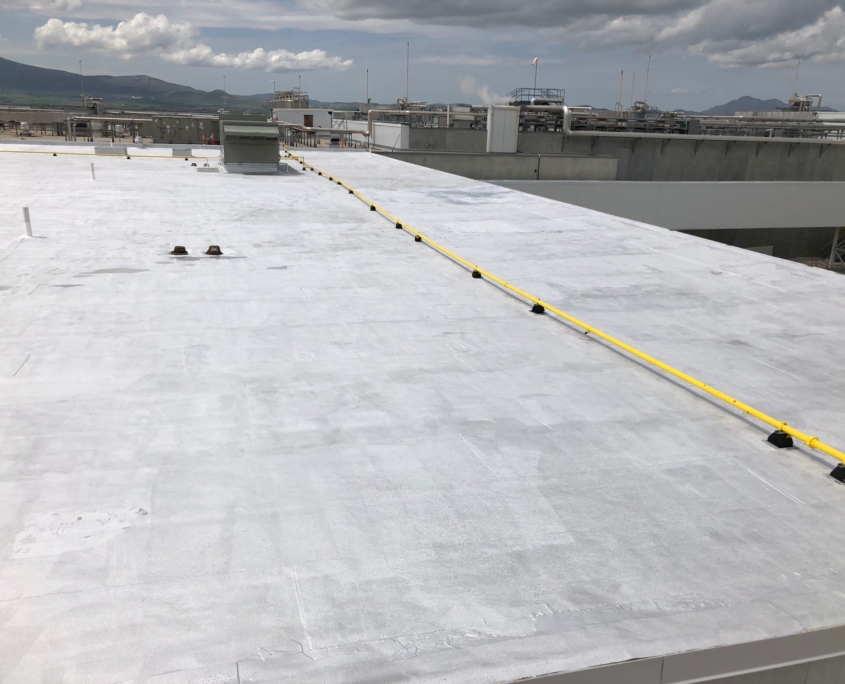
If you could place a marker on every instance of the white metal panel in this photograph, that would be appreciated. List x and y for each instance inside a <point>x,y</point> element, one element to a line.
<point>502,129</point>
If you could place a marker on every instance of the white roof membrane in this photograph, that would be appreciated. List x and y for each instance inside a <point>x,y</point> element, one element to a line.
<point>331,455</point>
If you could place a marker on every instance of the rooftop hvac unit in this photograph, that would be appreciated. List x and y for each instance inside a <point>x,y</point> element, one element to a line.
<point>249,144</point>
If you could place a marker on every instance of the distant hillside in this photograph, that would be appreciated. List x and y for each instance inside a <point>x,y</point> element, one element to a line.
<point>746,103</point>
<point>23,84</point>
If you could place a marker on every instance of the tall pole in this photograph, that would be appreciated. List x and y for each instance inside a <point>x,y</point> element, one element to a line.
<point>368,86</point>
<point>408,76</point>
<point>82,80</point>
<point>797,71</point>
<point>274,87</point>
<point>648,71</point>
<point>536,65</point>
<point>633,81</point>
<point>619,101</point>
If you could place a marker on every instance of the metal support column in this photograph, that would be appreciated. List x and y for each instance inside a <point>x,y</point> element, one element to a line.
<point>837,249</point>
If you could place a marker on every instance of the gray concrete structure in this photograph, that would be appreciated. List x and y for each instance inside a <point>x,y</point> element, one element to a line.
<point>794,219</point>
<point>701,206</point>
<point>640,157</point>
<point>331,455</point>
<point>517,167</point>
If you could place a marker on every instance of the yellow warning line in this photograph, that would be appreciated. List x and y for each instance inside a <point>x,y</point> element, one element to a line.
<point>809,440</point>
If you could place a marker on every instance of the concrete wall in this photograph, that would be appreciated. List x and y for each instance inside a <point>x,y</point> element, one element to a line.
<point>683,159</point>
<point>512,166</point>
<point>702,206</point>
<point>390,135</point>
<point>783,219</point>
<point>448,139</point>
<point>679,158</point>
<point>322,118</point>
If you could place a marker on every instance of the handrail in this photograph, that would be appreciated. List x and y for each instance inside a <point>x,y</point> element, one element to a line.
<point>782,426</point>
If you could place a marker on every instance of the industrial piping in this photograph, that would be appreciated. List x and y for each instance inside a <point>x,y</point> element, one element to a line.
<point>541,306</point>
<point>554,109</point>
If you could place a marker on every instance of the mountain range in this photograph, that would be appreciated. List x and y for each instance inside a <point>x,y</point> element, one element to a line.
<point>23,84</point>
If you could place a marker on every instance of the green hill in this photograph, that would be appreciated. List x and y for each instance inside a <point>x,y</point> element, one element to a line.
<point>22,84</point>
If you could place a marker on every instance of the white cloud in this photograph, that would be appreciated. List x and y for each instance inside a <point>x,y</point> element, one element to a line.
<point>462,60</point>
<point>143,34</point>
<point>473,91</point>
<point>174,42</point>
<point>820,42</point>
<point>41,6</point>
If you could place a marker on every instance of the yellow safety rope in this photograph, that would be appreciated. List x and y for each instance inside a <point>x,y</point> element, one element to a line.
<point>809,440</point>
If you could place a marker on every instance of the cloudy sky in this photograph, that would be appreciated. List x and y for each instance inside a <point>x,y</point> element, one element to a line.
<point>704,52</point>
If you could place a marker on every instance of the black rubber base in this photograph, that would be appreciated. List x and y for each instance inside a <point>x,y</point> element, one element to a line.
<point>372,207</point>
<point>399,225</point>
<point>55,155</point>
<point>538,309</point>
<point>179,250</point>
<point>214,250</point>
<point>339,183</point>
<point>320,173</point>
<point>838,473</point>
<point>476,274</point>
<point>351,193</point>
<point>417,238</point>
<point>781,440</point>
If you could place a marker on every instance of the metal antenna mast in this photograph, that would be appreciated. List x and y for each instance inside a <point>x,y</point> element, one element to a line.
<point>648,71</point>
<point>408,76</point>
<point>619,101</point>
<point>633,81</point>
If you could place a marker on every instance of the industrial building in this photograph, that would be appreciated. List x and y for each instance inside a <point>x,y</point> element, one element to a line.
<point>403,425</point>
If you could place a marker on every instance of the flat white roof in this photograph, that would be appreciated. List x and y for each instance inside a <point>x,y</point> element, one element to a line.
<point>333,456</point>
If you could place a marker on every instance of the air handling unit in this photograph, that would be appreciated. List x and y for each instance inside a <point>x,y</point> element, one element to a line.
<point>249,144</point>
